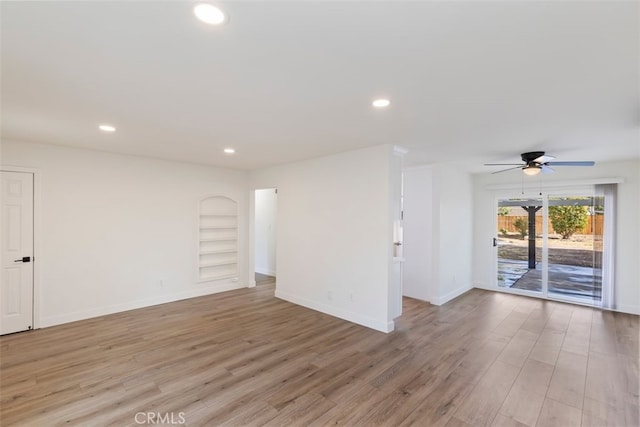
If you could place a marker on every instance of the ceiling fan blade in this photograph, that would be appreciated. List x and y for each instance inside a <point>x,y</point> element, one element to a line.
<point>509,169</point>
<point>543,159</point>
<point>503,164</point>
<point>546,169</point>
<point>570,163</point>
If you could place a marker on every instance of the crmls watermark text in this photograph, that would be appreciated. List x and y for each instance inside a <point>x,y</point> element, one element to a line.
<point>151,418</point>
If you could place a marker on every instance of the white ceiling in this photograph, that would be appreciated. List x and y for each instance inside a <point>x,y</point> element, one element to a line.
<point>285,81</point>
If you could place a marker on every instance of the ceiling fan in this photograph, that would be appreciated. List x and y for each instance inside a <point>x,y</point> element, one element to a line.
<point>536,162</point>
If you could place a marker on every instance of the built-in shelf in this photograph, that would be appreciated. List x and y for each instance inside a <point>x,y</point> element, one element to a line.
<point>223,251</point>
<point>218,238</point>
<point>218,263</point>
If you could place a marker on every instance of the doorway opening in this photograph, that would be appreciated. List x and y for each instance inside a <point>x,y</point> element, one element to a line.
<point>265,204</point>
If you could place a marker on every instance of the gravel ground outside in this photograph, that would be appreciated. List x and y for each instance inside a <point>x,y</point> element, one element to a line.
<point>578,250</point>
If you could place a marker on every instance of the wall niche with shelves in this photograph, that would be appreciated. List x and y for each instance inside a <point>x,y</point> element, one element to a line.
<point>217,238</point>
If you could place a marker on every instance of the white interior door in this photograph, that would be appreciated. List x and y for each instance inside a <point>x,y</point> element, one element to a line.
<point>16,280</point>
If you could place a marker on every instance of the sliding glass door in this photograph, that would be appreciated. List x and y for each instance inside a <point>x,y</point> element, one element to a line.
<point>552,246</point>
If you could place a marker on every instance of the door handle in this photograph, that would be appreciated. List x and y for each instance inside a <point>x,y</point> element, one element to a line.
<point>24,259</point>
<point>495,242</point>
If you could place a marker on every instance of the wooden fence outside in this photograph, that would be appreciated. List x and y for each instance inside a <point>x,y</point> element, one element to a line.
<point>594,224</point>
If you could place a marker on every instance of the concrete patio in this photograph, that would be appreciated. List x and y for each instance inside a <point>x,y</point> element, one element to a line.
<point>564,280</point>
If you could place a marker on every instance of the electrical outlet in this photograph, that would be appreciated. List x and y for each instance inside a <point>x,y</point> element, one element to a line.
<point>329,296</point>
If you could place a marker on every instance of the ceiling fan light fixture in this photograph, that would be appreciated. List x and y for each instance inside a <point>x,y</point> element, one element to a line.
<point>536,162</point>
<point>531,170</point>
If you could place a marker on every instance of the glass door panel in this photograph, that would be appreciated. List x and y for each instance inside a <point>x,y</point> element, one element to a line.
<point>575,248</point>
<point>519,244</point>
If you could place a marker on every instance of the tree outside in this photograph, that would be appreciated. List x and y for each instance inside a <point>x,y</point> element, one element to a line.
<point>522,226</point>
<point>566,220</point>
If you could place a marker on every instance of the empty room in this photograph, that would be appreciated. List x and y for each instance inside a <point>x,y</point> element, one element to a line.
<point>313,213</point>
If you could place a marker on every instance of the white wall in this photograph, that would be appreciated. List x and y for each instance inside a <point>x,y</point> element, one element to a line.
<point>418,233</point>
<point>334,233</point>
<point>120,232</point>
<point>266,202</point>
<point>453,190</point>
<point>438,233</point>
<point>627,248</point>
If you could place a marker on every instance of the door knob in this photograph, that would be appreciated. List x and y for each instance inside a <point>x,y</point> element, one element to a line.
<point>24,259</point>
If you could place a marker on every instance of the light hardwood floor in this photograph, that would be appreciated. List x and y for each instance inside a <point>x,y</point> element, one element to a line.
<point>246,358</point>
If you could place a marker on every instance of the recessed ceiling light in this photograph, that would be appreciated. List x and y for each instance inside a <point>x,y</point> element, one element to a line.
<point>229,150</point>
<point>381,103</point>
<point>209,14</point>
<point>107,128</point>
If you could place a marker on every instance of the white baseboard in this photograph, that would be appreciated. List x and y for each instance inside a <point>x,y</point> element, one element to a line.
<point>443,299</point>
<point>252,284</point>
<point>350,316</point>
<point>483,286</point>
<point>266,271</point>
<point>626,308</point>
<point>148,302</point>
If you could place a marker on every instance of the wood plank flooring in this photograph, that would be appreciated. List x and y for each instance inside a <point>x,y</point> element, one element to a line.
<point>246,358</point>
